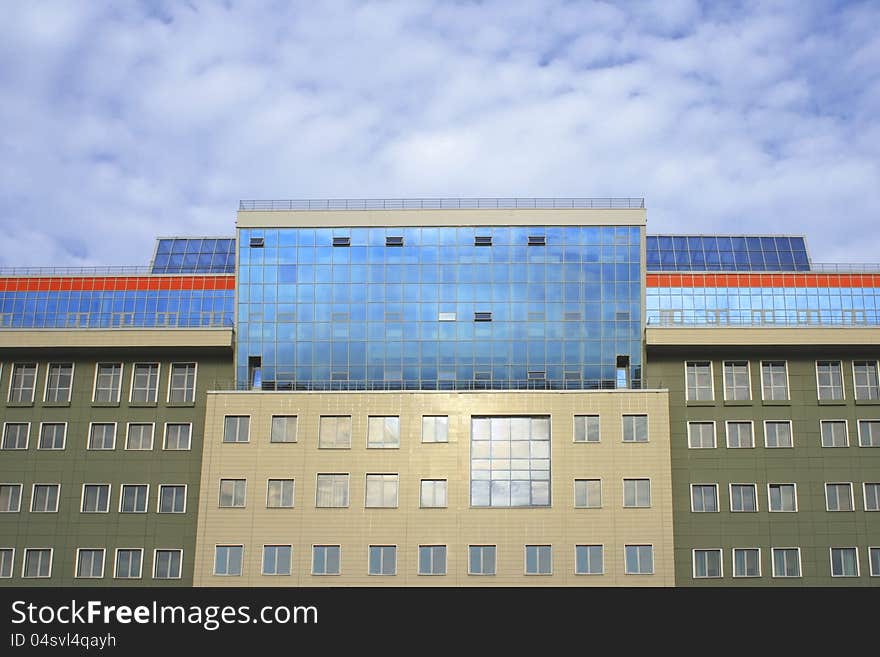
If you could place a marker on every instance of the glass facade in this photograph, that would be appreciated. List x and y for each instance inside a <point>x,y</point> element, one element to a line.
<point>726,253</point>
<point>429,308</point>
<point>186,255</point>
<point>109,302</point>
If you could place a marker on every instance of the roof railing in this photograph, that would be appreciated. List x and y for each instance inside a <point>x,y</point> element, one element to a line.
<point>44,272</point>
<point>606,203</point>
<point>814,268</point>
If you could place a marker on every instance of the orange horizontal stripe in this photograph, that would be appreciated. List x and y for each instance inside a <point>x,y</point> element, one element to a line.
<point>116,283</point>
<point>763,280</point>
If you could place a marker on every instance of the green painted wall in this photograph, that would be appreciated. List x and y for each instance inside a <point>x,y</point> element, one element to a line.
<point>70,529</point>
<point>807,464</point>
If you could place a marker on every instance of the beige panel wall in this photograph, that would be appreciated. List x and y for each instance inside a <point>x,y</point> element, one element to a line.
<point>780,335</point>
<point>458,525</point>
<point>482,217</point>
<point>156,337</point>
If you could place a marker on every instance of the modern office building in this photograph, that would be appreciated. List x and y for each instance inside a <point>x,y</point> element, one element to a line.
<point>454,392</point>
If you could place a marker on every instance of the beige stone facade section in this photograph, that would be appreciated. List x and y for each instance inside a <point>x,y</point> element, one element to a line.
<point>117,337</point>
<point>481,217</point>
<point>769,336</point>
<point>457,526</point>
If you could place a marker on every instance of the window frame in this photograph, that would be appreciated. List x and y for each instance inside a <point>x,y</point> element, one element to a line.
<point>20,487</point>
<point>247,433</point>
<point>367,476</point>
<point>338,572</point>
<point>823,422</point>
<point>585,479</point>
<point>122,488</point>
<point>381,546</point>
<point>733,563</point>
<point>57,496</point>
<point>263,572</point>
<point>865,485</point>
<point>348,489</point>
<point>336,433</point>
<point>434,480</point>
<point>165,447</point>
<point>52,449</point>
<point>101,449</point>
<point>842,382</point>
<point>586,440</point>
<point>292,481</point>
<point>214,572</point>
<point>773,563</point>
<point>116,562</point>
<point>24,561</point>
<point>128,426</point>
<point>714,486</point>
<point>179,551</point>
<point>730,496</point>
<point>790,433</point>
<point>855,549</point>
<point>434,417</point>
<point>186,402</point>
<point>118,386</point>
<point>185,498</point>
<point>526,547</point>
<point>727,424</point>
<point>494,572</point>
<point>687,396</point>
<point>691,423</point>
<point>852,501</point>
<point>46,385</point>
<point>862,421</point>
<point>764,397</point>
<point>770,508</point>
<point>11,551</point>
<point>623,419</point>
<point>724,379</point>
<point>15,364</point>
<point>272,429</point>
<point>601,546</point>
<point>639,545</point>
<point>27,437</point>
<point>871,572</point>
<point>243,505</point>
<point>855,387</point>
<point>445,559</point>
<point>76,573</point>
<point>134,368</point>
<point>719,551</point>
<point>82,501</point>
<point>650,496</point>
<point>383,445</point>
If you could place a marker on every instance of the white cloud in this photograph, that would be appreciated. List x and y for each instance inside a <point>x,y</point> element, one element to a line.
<point>123,122</point>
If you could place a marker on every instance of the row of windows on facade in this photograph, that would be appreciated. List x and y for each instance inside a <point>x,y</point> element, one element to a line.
<point>382,490</point>
<point>139,436</point>
<point>782,497</point>
<point>482,560</point>
<point>740,434</point>
<point>335,431</point>
<point>785,562</point>
<point>96,498</point>
<point>37,563</point>
<point>107,388</point>
<point>700,381</point>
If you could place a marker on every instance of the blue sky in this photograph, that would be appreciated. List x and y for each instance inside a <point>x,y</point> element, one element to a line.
<point>124,121</point>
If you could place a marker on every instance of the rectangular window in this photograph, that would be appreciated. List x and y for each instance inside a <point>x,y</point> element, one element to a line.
<point>139,436</point>
<point>227,560</point>
<point>704,498</point>
<point>90,563</point>
<point>326,559</point>
<point>177,436</point>
<point>334,432</point>
<point>635,428</point>
<point>746,562</point>
<point>774,380</point>
<point>539,560</point>
<point>279,494</point>
<point>232,493</point>
<point>172,498</point>
<point>636,493</point>
<point>236,428</point>
<point>133,498</point>
<point>839,497</point>
<point>95,498</point>
<point>588,493</point>
<point>786,562</point>
<point>283,429</point>
<point>743,497</point>
<point>145,383</point>
<point>829,379</point>
<point>707,564</point>
<point>782,497</point>
<point>167,563</point>
<point>332,491</point>
<point>182,383</point>
<point>865,377</point>
<point>844,562</point>
<point>432,493</point>
<point>7,557</point>
<point>381,491</point>
<point>834,433</point>
<point>481,560</point>
<point>276,559</point>
<point>10,498</point>
<point>435,429</point>
<point>701,435</point>
<point>874,556</point>
<point>638,559</point>
<point>59,383</point>
<point>44,498</point>
<point>869,433</point>
<point>53,435</point>
<point>777,433</point>
<point>15,435</point>
<point>102,435</point>
<point>872,496</point>
<point>588,560</point>
<point>699,381</point>
<point>22,383</point>
<point>510,461</point>
<point>383,560</point>
<point>586,428</point>
<point>128,563</point>
<point>432,560</point>
<point>740,435</point>
<point>383,432</point>
<point>37,563</point>
<point>108,381</point>
<point>737,381</point>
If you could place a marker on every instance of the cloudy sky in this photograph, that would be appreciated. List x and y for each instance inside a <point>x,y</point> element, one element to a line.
<point>123,121</point>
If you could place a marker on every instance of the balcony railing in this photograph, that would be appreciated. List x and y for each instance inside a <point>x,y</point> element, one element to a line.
<point>417,385</point>
<point>606,203</point>
<point>76,271</point>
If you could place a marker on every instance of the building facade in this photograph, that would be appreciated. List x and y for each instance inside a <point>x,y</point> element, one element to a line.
<point>453,392</point>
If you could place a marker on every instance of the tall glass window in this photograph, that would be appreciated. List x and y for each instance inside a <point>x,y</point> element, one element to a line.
<point>699,380</point>
<point>737,385</point>
<point>867,381</point>
<point>829,378</point>
<point>510,461</point>
<point>59,382</point>
<point>774,380</point>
